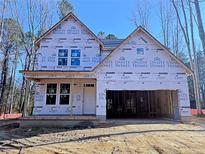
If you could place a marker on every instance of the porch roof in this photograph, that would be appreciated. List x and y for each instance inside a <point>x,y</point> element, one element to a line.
<point>42,74</point>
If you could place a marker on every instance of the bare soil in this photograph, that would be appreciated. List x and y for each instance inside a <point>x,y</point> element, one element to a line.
<point>118,136</point>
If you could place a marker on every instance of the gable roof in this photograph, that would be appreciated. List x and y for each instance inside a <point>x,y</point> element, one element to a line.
<point>140,28</point>
<point>60,22</point>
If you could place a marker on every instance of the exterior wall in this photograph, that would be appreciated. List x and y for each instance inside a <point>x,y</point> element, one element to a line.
<point>152,69</point>
<point>75,106</point>
<point>69,35</point>
<point>138,65</point>
<point>103,85</point>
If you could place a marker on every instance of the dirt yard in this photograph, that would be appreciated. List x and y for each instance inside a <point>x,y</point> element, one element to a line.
<point>132,136</point>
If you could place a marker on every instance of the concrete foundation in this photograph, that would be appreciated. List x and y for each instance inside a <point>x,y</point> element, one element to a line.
<point>59,121</point>
<point>57,124</point>
<point>101,117</point>
<point>185,118</point>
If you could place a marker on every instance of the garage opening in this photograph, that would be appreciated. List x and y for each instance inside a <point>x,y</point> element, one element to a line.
<point>142,104</point>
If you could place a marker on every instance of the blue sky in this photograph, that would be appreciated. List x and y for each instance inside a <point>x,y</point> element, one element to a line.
<point>110,16</point>
<point>116,16</point>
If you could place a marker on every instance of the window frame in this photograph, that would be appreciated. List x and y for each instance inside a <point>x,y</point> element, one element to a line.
<point>60,94</point>
<point>75,57</point>
<point>140,51</point>
<point>63,57</point>
<point>48,94</point>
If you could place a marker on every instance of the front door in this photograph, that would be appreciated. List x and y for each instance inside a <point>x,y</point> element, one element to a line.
<point>89,106</point>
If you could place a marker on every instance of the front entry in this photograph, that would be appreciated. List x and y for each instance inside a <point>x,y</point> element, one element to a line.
<point>89,107</point>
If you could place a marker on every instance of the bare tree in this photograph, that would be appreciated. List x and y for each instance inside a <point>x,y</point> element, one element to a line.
<point>43,18</point>
<point>7,48</point>
<point>2,18</point>
<point>165,19</point>
<point>5,54</point>
<point>194,55</point>
<point>200,24</point>
<point>142,14</point>
<point>37,14</point>
<point>171,32</point>
<point>12,81</point>
<point>64,7</point>
<point>188,42</point>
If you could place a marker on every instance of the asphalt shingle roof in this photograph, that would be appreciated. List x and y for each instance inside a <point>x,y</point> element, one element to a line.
<point>111,43</point>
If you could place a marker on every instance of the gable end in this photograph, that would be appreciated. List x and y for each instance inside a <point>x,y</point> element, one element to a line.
<point>188,70</point>
<point>37,42</point>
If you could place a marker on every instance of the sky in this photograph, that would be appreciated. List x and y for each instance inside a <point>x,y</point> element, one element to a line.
<point>116,16</point>
<point>110,16</point>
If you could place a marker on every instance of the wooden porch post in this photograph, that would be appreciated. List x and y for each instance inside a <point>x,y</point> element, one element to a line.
<point>71,101</point>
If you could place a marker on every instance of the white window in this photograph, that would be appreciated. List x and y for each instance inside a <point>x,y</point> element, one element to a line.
<point>75,57</point>
<point>64,94</point>
<point>51,94</point>
<point>63,57</point>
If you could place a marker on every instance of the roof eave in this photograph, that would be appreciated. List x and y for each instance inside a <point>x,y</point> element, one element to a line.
<point>189,71</point>
<point>54,72</point>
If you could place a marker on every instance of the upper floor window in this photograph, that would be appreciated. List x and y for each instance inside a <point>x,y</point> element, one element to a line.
<point>75,57</point>
<point>140,51</point>
<point>62,56</point>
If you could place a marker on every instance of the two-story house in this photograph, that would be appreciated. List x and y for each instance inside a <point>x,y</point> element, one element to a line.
<point>79,74</point>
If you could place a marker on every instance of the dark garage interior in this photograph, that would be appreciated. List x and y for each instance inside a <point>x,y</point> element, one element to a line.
<point>141,104</point>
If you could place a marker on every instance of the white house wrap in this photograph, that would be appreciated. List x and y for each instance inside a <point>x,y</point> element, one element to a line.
<point>79,74</point>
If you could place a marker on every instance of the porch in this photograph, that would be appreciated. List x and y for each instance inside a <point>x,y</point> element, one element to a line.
<point>65,97</point>
<point>59,93</point>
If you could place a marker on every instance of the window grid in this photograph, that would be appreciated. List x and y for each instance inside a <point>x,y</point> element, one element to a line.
<point>64,94</point>
<point>51,94</point>
<point>75,57</point>
<point>63,57</point>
